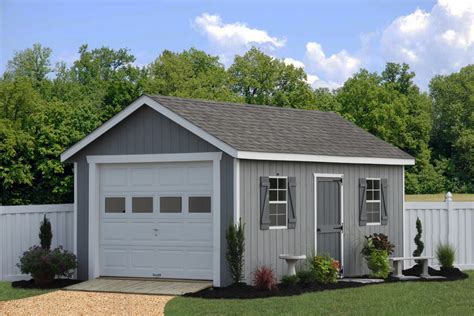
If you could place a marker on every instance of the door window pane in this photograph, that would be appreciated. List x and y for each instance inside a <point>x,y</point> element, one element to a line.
<point>114,205</point>
<point>199,204</point>
<point>170,204</point>
<point>142,205</point>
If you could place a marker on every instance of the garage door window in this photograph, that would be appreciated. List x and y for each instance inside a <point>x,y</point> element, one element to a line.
<point>115,205</point>
<point>170,204</point>
<point>199,204</point>
<point>142,204</point>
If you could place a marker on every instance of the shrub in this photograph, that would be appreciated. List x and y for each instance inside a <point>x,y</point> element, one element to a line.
<point>235,250</point>
<point>45,235</point>
<point>264,279</point>
<point>377,241</point>
<point>376,250</point>
<point>378,264</point>
<point>445,254</point>
<point>43,263</point>
<point>290,280</point>
<point>418,242</point>
<point>325,269</point>
<point>306,277</point>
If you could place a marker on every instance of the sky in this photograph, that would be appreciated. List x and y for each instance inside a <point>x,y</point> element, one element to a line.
<point>331,40</point>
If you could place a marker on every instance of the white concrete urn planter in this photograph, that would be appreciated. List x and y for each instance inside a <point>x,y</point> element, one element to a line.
<point>291,261</point>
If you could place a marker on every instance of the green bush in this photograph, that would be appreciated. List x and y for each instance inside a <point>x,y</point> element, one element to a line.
<point>377,262</point>
<point>377,241</point>
<point>445,254</point>
<point>235,250</point>
<point>420,246</point>
<point>43,263</point>
<point>290,280</point>
<point>325,269</point>
<point>45,235</point>
<point>306,277</point>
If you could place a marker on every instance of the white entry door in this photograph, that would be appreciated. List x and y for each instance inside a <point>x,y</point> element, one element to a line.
<point>156,221</point>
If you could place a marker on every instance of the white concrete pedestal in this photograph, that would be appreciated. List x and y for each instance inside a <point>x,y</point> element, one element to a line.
<point>291,261</point>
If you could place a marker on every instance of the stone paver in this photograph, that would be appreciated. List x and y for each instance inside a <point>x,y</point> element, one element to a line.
<point>86,303</point>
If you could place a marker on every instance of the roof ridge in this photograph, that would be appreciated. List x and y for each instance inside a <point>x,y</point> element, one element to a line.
<point>220,103</point>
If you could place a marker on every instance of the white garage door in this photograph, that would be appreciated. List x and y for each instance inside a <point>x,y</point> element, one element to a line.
<point>156,221</point>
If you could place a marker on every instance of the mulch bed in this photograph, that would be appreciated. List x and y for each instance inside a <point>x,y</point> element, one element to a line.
<point>450,274</point>
<point>244,291</point>
<point>56,284</point>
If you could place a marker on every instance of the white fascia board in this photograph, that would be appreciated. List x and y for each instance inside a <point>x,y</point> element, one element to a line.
<point>320,158</point>
<point>160,109</point>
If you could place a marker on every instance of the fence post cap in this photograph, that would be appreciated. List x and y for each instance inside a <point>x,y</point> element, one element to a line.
<point>449,197</point>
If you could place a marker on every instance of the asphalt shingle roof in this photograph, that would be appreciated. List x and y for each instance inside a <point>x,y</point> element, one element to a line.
<point>273,129</point>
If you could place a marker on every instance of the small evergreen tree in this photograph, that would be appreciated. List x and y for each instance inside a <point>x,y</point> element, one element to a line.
<point>46,234</point>
<point>419,243</point>
<point>235,250</point>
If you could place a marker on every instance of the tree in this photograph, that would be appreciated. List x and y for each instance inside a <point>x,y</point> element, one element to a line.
<point>191,73</point>
<point>32,63</point>
<point>453,127</point>
<point>46,234</point>
<point>262,79</point>
<point>235,250</point>
<point>420,246</point>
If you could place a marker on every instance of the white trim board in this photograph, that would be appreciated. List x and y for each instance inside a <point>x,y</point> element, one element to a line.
<point>95,163</point>
<point>146,100</point>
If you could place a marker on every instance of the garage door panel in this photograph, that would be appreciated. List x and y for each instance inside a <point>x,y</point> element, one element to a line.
<point>169,245</point>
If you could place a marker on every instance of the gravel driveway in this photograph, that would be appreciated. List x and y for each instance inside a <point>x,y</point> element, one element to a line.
<point>86,303</point>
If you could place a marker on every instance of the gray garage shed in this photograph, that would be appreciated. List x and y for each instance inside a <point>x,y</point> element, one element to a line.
<point>157,185</point>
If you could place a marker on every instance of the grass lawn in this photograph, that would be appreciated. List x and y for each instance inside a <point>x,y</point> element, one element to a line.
<point>408,298</point>
<point>438,197</point>
<point>8,293</point>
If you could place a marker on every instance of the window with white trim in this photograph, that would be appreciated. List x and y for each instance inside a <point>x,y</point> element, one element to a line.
<point>373,201</point>
<point>278,202</point>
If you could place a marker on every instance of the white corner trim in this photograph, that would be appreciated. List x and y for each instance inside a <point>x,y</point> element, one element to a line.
<point>94,169</point>
<point>236,190</point>
<point>185,157</point>
<point>146,100</point>
<point>320,158</point>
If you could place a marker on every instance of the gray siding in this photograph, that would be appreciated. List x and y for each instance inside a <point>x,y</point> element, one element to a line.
<point>146,132</point>
<point>264,246</point>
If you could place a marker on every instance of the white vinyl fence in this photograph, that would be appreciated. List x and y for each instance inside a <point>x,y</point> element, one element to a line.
<point>442,222</point>
<point>19,229</point>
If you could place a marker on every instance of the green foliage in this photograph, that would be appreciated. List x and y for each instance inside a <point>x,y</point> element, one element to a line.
<point>46,234</point>
<point>378,263</point>
<point>41,262</point>
<point>418,242</point>
<point>445,254</point>
<point>32,63</point>
<point>235,250</point>
<point>453,127</point>
<point>325,269</point>
<point>376,251</point>
<point>377,242</point>
<point>290,280</point>
<point>306,277</point>
<point>262,79</point>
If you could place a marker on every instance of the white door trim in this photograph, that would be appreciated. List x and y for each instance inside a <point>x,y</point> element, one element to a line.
<point>94,168</point>
<point>328,175</point>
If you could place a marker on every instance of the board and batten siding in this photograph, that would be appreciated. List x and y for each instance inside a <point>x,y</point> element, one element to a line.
<point>264,246</point>
<point>146,132</point>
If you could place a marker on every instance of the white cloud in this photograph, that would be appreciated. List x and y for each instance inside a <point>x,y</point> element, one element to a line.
<point>435,42</point>
<point>294,62</point>
<point>334,69</point>
<point>234,38</point>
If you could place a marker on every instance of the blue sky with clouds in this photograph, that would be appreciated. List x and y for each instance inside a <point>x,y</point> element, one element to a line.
<point>330,39</point>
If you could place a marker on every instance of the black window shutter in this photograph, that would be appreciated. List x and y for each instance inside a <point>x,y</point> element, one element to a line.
<point>264,204</point>
<point>291,202</point>
<point>384,200</point>
<point>362,202</point>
